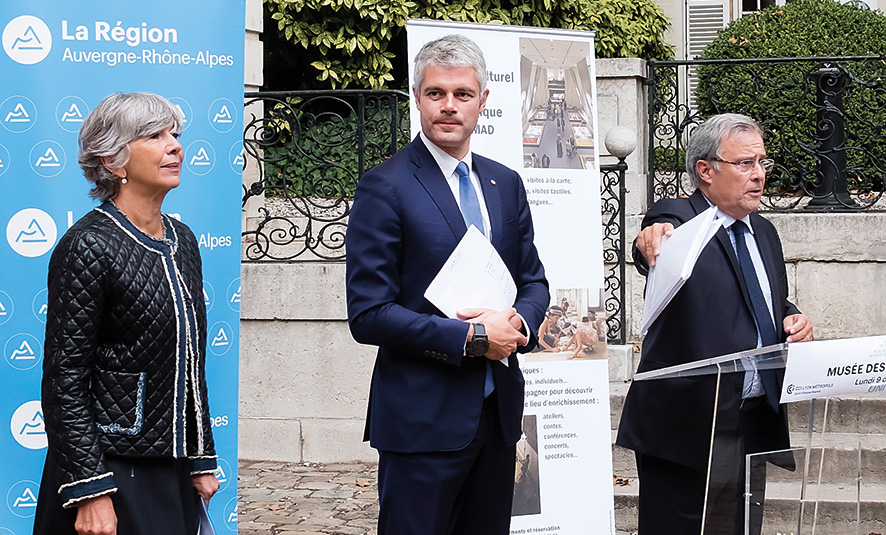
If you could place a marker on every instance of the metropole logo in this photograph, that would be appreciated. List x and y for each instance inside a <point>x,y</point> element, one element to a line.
<point>27,40</point>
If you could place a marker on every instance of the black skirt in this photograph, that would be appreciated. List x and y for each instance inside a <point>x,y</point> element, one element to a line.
<point>154,497</point>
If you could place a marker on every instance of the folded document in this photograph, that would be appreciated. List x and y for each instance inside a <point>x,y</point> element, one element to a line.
<point>679,252</point>
<point>474,276</point>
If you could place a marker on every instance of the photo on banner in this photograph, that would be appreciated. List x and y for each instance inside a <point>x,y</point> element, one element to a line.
<point>540,120</point>
<point>59,60</point>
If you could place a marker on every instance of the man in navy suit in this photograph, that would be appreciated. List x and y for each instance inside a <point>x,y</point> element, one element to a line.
<point>727,305</point>
<point>444,413</point>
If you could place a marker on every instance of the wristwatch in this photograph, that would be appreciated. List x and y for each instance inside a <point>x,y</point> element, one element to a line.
<point>478,345</point>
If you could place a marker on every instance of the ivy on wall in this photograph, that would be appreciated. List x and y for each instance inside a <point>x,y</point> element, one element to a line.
<point>322,44</point>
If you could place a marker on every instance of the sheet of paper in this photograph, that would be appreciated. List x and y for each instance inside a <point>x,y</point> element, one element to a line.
<point>474,276</point>
<point>825,368</point>
<point>679,252</point>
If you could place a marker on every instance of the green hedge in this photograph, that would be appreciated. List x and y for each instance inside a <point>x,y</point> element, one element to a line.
<point>669,160</point>
<point>316,156</point>
<point>781,97</point>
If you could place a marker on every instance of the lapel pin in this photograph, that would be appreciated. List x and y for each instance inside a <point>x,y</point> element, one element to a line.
<point>491,181</point>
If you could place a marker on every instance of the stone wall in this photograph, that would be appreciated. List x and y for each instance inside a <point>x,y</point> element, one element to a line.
<point>304,381</point>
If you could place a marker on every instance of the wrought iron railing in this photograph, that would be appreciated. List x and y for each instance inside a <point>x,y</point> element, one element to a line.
<point>823,119</point>
<point>305,152</point>
<point>612,199</point>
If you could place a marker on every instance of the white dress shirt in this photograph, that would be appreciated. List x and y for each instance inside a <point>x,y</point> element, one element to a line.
<point>447,166</point>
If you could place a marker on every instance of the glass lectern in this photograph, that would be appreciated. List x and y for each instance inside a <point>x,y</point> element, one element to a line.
<point>820,485</point>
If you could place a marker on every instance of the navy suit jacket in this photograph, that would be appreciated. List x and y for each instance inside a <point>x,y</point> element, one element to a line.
<point>711,315</point>
<point>426,395</point>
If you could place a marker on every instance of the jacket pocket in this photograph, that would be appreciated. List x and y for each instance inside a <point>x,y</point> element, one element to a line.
<point>119,401</point>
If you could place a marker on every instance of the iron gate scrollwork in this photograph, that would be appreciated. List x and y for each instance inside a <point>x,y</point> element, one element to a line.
<point>309,148</point>
<point>612,204</point>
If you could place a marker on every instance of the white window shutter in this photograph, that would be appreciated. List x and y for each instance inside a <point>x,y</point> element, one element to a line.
<point>704,18</point>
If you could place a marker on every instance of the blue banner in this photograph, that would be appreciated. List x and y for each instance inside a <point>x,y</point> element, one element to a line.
<point>60,59</point>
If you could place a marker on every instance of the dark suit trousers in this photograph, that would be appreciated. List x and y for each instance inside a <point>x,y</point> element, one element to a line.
<point>462,492</point>
<point>672,496</point>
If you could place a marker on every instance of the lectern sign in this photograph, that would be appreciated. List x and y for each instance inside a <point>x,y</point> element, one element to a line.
<point>828,368</point>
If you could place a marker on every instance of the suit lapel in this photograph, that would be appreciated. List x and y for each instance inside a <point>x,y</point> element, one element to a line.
<point>428,174</point>
<point>700,204</point>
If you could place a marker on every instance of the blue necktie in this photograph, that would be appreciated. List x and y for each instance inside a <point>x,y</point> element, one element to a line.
<point>765,327</point>
<point>470,210</point>
<point>470,204</point>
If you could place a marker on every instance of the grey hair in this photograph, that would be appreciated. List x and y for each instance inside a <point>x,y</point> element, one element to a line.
<point>704,144</point>
<point>108,129</point>
<point>450,51</point>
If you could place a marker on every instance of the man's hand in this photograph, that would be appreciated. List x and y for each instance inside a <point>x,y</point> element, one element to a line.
<point>502,330</point>
<point>96,516</point>
<point>649,240</point>
<point>206,485</point>
<point>798,327</point>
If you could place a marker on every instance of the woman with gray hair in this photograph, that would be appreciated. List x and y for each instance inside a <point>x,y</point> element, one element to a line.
<point>124,390</point>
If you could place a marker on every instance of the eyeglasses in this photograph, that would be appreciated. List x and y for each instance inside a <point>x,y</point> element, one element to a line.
<point>745,166</point>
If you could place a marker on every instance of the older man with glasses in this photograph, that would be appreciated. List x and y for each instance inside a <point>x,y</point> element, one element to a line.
<point>735,300</point>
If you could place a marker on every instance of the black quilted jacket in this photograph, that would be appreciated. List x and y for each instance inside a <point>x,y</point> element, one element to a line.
<point>123,371</point>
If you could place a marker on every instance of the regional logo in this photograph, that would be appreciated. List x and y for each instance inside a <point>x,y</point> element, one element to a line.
<point>70,113</point>
<point>31,232</point>
<point>47,158</point>
<point>27,426</point>
<point>208,295</point>
<point>200,157</point>
<point>223,474</point>
<point>222,115</point>
<point>27,40</point>
<point>18,114</point>
<point>790,389</point>
<point>7,307</point>
<point>39,305</point>
<point>184,109</point>
<point>23,351</point>
<point>237,157</point>
<point>221,338</point>
<point>4,160</point>
<point>231,514</point>
<point>233,295</point>
<point>22,498</point>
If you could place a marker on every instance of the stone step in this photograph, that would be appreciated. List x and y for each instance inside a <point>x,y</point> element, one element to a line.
<point>841,458</point>
<point>837,509</point>
<point>847,414</point>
